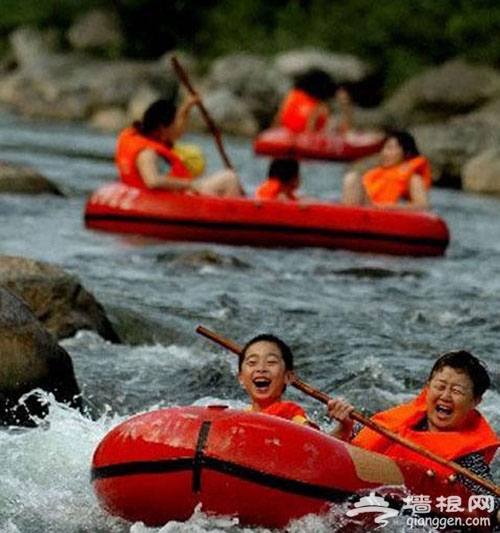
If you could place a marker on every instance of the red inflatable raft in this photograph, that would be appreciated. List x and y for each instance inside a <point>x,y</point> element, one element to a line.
<point>159,466</point>
<point>180,217</point>
<point>281,142</point>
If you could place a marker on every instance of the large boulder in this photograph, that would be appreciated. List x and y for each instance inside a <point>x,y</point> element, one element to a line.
<point>112,118</point>
<point>30,358</point>
<point>439,93</point>
<point>73,86</point>
<point>251,79</point>
<point>16,179</point>
<point>450,144</point>
<point>96,31</point>
<point>482,172</point>
<point>230,112</point>
<point>56,298</point>
<point>30,46</point>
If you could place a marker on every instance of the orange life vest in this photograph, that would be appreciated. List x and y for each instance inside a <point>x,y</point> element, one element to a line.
<point>287,410</point>
<point>272,188</point>
<point>387,185</point>
<point>477,436</point>
<point>130,144</point>
<point>296,110</point>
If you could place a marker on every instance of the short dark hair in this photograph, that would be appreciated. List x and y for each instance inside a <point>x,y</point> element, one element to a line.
<point>159,113</point>
<point>406,141</point>
<point>317,83</point>
<point>285,350</point>
<point>463,361</point>
<point>285,170</point>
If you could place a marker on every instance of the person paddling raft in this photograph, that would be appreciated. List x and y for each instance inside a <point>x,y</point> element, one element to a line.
<point>265,367</point>
<point>147,159</point>
<point>442,419</point>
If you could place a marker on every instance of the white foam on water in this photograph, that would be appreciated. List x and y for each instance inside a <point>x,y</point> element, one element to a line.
<point>46,474</point>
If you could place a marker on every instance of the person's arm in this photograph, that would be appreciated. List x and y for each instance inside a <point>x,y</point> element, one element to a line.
<point>148,164</point>
<point>320,109</point>
<point>475,463</point>
<point>340,410</point>
<point>345,121</point>
<point>419,195</point>
<point>182,115</point>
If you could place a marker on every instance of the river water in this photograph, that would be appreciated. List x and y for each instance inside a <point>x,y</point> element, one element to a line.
<point>364,326</point>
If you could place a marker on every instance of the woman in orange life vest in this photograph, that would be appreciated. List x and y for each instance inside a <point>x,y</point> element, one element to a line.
<point>264,369</point>
<point>442,419</point>
<point>146,158</point>
<point>403,174</point>
<point>306,107</point>
<point>282,181</point>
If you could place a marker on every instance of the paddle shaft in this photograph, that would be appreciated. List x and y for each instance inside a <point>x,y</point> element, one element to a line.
<point>324,398</point>
<point>214,130</point>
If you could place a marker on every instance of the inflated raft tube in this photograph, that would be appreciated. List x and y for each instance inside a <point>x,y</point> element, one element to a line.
<point>159,466</point>
<point>281,142</point>
<point>119,208</point>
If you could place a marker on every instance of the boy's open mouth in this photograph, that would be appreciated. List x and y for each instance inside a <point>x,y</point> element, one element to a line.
<point>261,383</point>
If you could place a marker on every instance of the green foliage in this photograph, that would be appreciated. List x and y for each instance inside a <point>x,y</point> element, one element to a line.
<point>40,13</point>
<point>399,38</point>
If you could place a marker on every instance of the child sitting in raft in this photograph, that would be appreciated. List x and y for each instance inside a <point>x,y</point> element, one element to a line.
<point>402,175</point>
<point>265,368</point>
<point>282,181</point>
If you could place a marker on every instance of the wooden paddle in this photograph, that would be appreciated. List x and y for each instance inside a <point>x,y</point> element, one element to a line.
<point>324,398</point>
<point>214,130</point>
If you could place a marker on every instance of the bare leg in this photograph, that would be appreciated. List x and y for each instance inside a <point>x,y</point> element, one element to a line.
<point>353,192</point>
<point>222,183</point>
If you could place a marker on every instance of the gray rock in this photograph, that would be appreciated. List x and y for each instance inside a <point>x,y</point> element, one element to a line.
<point>30,359</point>
<point>230,113</point>
<point>44,92</point>
<point>482,172</point>
<point>73,86</point>
<point>251,79</point>
<point>449,145</point>
<point>488,115</point>
<point>375,118</point>
<point>15,179</point>
<point>56,298</point>
<point>30,46</point>
<point>441,92</point>
<point>203,258</point>
<point>96,30</point>
<point>112,118</point>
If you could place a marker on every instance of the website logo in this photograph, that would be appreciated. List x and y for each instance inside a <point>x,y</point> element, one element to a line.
<point>416,506</point>
<point>374,504</point>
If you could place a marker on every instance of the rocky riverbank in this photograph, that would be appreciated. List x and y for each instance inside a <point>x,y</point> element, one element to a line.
<point>453,109</point>
<point>40,303</point>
